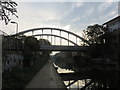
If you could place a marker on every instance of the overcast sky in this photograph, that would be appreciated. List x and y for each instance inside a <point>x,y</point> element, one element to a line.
<point>72,16</point>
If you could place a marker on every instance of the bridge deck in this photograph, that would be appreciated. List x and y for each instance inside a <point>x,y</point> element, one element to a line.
<point>63,48</point>
<point>47,77</point>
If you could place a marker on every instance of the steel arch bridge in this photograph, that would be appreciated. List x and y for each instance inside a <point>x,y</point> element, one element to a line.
<point>52,34</point>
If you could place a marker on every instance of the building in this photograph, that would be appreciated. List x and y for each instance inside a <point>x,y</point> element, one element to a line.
<point>112,37</point>
<point>113,24</point>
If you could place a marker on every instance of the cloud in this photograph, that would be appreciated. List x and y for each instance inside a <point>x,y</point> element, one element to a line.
<point>43,13</point>
<point>77,5</point>
<point>76,19</point>
<point>113,13</point>
<point>47,15</point>
<point>61,15</point>
<point>105,6</point>
<point>91,10</point>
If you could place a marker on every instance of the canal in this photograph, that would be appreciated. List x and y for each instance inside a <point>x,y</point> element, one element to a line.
<point>79,84</point>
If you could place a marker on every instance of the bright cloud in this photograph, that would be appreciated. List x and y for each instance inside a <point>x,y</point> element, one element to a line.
<point>77,4</point>
<point>104,6</point>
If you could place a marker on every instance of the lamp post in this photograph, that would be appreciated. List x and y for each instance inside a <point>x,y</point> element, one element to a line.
<point>16,26</point>
<point>16,31</point>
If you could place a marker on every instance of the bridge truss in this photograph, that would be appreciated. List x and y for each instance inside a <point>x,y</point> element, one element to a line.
<point>52,34</point>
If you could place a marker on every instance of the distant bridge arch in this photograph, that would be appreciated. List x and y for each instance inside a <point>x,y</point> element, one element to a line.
<point>51,34</point>
<point>56,36</point>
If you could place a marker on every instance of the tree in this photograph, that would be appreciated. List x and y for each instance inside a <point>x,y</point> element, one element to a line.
<point>7,8</point>
<point>32,43</point>
<point>32,50</point>
<point>93,32</point>
<point>31,47</point>
<point>45,42</point>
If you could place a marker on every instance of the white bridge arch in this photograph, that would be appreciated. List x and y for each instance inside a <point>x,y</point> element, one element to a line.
<point>51,33</point>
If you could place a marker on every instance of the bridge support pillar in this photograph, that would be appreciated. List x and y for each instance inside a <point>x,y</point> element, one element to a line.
<point>32,33</point>
<point>42,33</point>
<point>76,40</point>
<point>60,39</point>
<point>54,40</point>
<point>68,39</point>
<point>51,36</point>
<point>47,37</point>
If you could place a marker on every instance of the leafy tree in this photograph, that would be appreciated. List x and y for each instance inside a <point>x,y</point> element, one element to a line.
<point>93,32</point>
<point>45,42</point>
<point>31,46</point>
<point>32,43</point>
<point>7,8</point>
<point>32,51</point>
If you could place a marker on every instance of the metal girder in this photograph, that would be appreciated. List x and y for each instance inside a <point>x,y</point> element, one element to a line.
<point>53,29</point>
<point>56,36</point>
<point>63,48</point>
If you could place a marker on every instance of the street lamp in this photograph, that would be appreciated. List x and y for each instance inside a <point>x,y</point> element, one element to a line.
<point>16,31</point>
<point>16,26</point>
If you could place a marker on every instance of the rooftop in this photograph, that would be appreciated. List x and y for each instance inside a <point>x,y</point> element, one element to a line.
<point>116,18</point>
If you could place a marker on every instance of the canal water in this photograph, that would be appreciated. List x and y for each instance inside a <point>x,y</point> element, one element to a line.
<point>78,84</point>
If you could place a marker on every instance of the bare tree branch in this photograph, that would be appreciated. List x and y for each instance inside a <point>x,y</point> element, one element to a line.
<point>7,8</point>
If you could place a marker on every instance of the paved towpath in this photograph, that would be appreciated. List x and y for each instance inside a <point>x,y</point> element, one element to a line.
<point>47,77</point>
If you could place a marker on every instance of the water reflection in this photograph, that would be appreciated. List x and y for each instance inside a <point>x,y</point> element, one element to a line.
<point>63,70</point>
<point>76,85</point>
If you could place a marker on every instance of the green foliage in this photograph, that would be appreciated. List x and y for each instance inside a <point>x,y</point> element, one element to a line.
<point>31,46</point>
<point>93,32</point>
<point>32,43</point>
<point>45,42</point>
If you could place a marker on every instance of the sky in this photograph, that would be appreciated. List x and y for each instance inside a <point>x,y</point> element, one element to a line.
<point>68,15</point>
